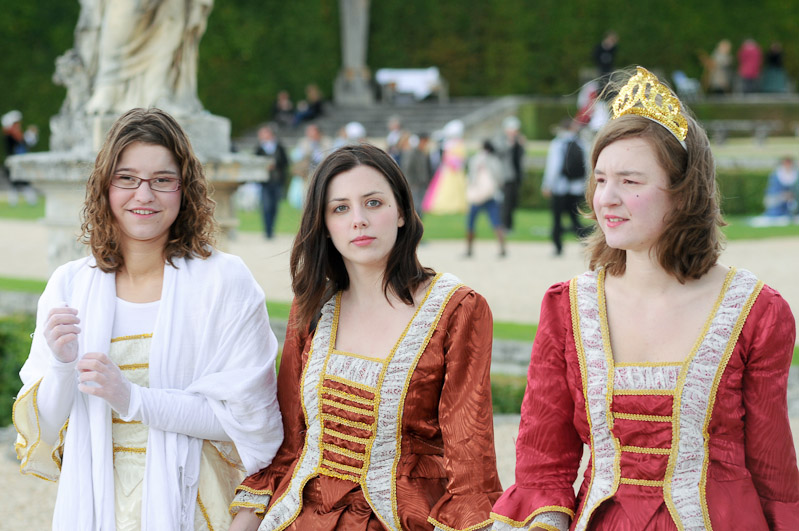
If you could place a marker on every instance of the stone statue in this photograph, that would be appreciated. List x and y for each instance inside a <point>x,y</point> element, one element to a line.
<point>147,55</point>
<point>128,53</point>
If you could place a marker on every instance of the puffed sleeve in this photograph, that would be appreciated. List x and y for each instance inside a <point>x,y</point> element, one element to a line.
<point>548,449</point>
<point>466,419</point>
<point>770,454</point>
<point>257,489</point>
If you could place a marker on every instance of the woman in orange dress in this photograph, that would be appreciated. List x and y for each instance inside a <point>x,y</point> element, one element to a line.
<point>384,382</point>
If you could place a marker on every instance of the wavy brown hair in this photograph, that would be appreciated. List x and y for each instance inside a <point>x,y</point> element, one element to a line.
<point>317,269</point>
<point>691,240</point>
<point>191,234</point>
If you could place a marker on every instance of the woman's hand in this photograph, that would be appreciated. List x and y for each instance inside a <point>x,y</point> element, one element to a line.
<point>99,376</point>
<point>61,333</point>
<point>245,520</point>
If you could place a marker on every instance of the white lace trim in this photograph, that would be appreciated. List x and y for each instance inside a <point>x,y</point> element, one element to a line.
<point>604,448</point>
<point>551,519</point>
<point>384,450</point>
<point>248,499</point>
<point>360,370</point>
<point>687,481</point>
<point>286,508</point>
<point>642,378</point>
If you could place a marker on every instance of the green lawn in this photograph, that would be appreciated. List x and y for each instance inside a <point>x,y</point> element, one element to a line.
<point>532,225</point>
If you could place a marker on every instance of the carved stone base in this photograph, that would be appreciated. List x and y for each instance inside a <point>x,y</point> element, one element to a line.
<point>352,92</point>
<point>209,134</point>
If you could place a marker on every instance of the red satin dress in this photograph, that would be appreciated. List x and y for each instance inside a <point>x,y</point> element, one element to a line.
<point>401,443</point>
<point>702,444</point>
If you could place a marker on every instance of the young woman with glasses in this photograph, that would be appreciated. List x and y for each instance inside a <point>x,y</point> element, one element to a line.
<point>150,386</point>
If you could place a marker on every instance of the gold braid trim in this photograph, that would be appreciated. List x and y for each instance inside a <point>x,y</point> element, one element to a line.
<point>644,418</point>
<point>205,512</point>
<point>445,527</point>
<point>544,509</point>
<point>128,338</point>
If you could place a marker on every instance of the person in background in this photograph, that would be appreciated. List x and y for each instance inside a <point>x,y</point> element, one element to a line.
<point>774,76</point>
<point>393,138</point>
<point>384,381</point>
<point>719,68</point>
<point>283,109</point>
<point>150,386</point>
<point>604,56</point>
<point>509,147</point>
<point>19,142</point>
<point>564,179</point>
<point>670,366</point>
<point>781,191</point>
<point>750,61</point>
<point>311,107</point>
<point>272,189</point>
<point>446,193</point>
<point>483,192</point>
<point>415,164</point>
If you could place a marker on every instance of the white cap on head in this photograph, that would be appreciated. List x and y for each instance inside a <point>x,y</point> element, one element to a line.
<point>355,131</point>
<point>453,129</point>
<point>11,117</point>
<point>511,123</point>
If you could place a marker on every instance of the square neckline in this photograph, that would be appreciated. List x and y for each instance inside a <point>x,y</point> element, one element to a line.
<point>397,343</point>
<point>605,328</point>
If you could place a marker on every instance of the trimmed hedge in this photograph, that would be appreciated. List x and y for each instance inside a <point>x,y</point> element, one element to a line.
<point>252,49</point>
<point>507,392</point>
<point>741,191</point>
<point>15,344</point>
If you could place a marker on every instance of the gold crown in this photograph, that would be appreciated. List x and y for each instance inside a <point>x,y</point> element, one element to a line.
<point>645,96</point>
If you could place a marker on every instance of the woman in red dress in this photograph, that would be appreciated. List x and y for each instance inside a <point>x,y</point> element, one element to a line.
<point>670,367</point>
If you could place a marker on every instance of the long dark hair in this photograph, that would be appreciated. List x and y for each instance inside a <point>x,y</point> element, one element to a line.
<point>317,269</point>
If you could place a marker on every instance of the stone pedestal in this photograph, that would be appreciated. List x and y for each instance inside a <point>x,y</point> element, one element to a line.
<point>352,87</point>
<point>353,90</point>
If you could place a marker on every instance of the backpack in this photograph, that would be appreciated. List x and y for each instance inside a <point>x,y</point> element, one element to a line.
<point>574,161</point>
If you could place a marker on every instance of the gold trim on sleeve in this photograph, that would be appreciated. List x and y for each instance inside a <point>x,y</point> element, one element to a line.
<point>545,509</point>
<point>445,527</point>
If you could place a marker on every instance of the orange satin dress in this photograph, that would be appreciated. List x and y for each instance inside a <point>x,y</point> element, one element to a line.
<point>701,444</point>
<point>401,443</point>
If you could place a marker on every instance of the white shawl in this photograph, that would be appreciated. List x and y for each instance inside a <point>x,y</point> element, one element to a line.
<point>212,338</point>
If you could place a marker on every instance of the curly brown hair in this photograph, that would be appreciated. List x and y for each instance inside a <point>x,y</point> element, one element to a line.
<point>691,241</point>
<point>191,234</point>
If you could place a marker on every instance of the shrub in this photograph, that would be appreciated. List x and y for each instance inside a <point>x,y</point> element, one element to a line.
<point>15,344</point>
<point>507,392</point>
<point>741,191</point>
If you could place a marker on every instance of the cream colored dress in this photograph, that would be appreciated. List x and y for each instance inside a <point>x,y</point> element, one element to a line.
<point>220,473</point>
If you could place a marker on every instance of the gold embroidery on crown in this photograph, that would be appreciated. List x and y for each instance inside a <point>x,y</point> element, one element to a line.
<point>645,96</point>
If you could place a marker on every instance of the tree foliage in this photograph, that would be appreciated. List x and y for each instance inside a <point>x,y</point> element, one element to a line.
<point>254,48</point>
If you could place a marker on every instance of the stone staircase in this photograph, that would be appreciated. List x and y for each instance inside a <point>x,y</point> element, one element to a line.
<point>481,117</point>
